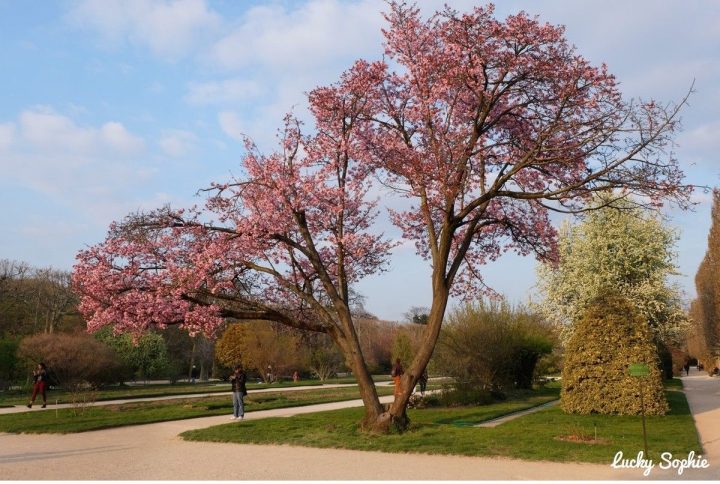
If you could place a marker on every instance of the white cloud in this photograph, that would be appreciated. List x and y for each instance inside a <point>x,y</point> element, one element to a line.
<point>116,136</point>
<point>317,33</point>
<point>231,125</point>
<point>83,167</point>
<point>177,143</point>
<point>224,92</point>
<point>170,28</point>
<point>45,130</point>
<point>7,135</point>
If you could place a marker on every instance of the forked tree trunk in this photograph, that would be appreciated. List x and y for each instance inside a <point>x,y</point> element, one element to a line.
<point>394,416</point>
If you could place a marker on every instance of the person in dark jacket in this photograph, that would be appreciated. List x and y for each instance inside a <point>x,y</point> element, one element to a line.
<point>423,382</point>
<point>40,380</point>
<point>237,380</point>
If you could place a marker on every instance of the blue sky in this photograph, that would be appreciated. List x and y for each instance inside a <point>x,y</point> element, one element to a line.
<point>112,106</point>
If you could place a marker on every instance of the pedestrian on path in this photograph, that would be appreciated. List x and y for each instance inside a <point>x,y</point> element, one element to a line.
<point>237,380</point>
<point>194,374</point>
<point>423,382</point>
<point>39,384</point>
<point>396,373</point>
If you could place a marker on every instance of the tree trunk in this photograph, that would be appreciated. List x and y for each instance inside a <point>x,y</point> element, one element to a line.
<point>366,385</point>
<point>395,415</point>
<point>350,346</point>
<point>192,360</point>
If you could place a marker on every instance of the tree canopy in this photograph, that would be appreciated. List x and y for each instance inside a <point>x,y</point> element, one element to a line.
<point>486,125</point>
<point>624,248</point>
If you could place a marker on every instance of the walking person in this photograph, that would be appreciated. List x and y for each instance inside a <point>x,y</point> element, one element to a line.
<point>237,380</point>
<point>396,373</point>
<point>423,382</point>
<point>194,374</point>
<point>40,379</point>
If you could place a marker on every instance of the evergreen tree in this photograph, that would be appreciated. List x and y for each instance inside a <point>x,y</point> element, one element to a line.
<point>610,336</point>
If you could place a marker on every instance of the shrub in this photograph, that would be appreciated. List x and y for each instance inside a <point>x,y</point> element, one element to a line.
<point>74,359</point>
<point>8,362</point>
<point>406,342</point>
<point>492,347</point>
<point>325,360</point>
<point>427,401</point>
<point>462,394</point>
<point>608,337</point>
<point>145,357</point>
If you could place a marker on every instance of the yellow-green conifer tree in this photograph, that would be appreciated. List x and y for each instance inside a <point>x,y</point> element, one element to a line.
<point>610,336</point>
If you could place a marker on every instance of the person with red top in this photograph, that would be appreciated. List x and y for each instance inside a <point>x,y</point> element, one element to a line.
<point>39,384</point>
<point>397,372</point>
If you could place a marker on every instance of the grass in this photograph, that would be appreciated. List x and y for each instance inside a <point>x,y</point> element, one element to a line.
<point>545,435</point>
<point>108,416</point>
<point>675,383</point>
<point>21,397</point>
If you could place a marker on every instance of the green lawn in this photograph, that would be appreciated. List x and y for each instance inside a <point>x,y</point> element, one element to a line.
<point>674,383</point>
<point>106,416</point>
<point>545,435</point>
<point>161,390</point>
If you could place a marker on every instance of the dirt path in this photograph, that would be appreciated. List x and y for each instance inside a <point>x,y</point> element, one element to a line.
<point>154,451</point>
<point>703,394</point>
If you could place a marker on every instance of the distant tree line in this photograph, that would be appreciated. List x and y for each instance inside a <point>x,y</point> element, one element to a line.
<point>35,300</point>
<point>704,339</point>
<point>40,321</point>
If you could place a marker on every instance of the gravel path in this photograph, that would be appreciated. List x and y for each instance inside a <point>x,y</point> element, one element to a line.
<point>154,451</point>
<point>703,394</point>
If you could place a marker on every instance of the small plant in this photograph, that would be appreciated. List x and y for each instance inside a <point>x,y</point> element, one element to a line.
<point>82,396</point>
<point>419,401</point>
<point>578,434</point>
